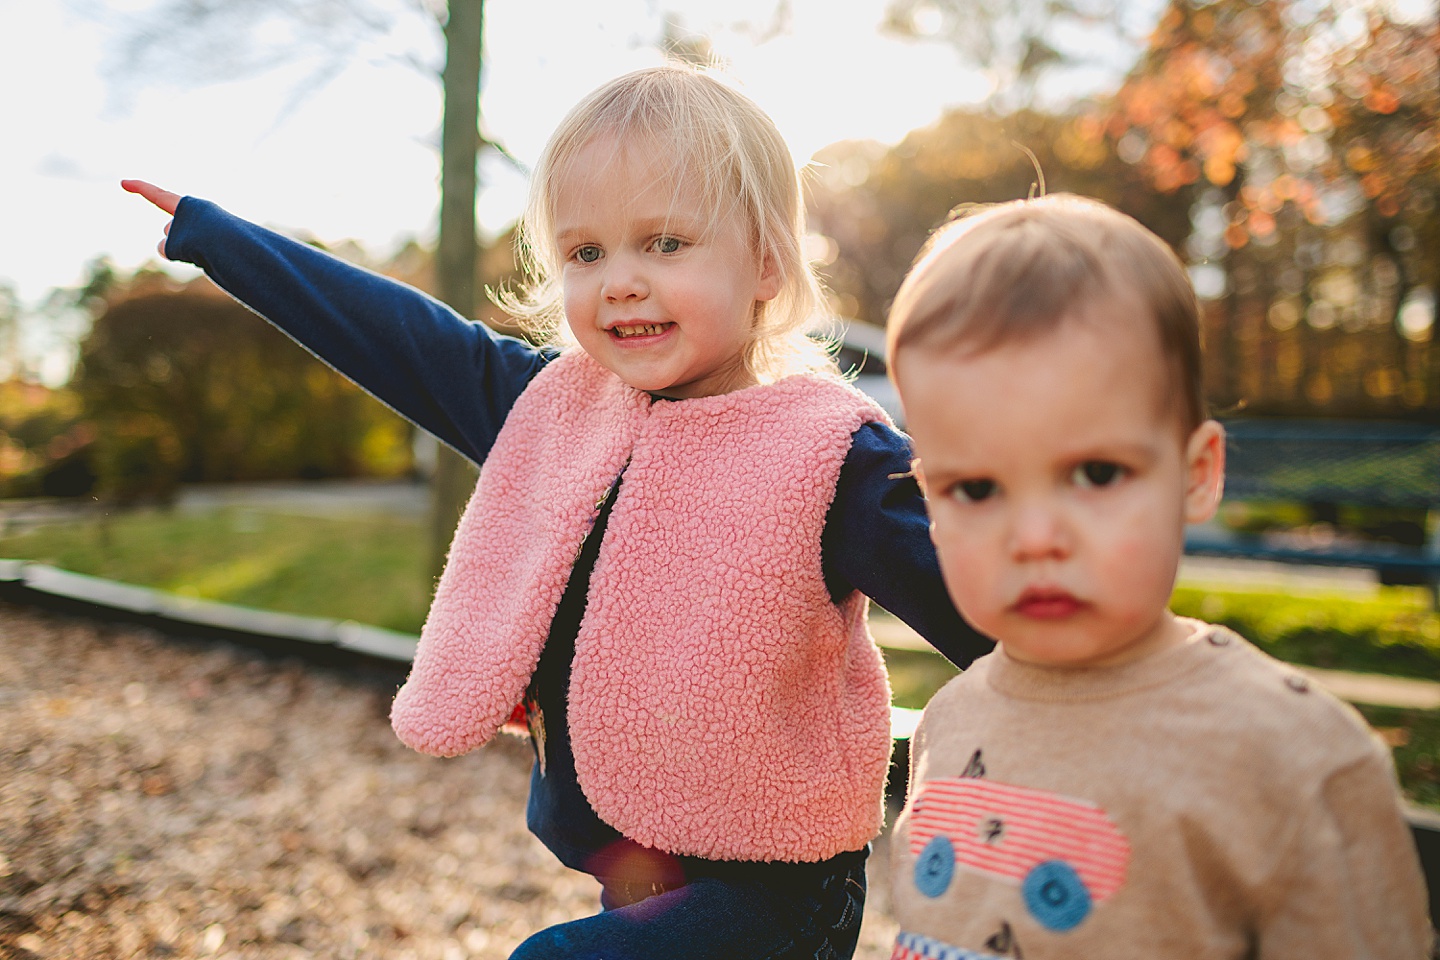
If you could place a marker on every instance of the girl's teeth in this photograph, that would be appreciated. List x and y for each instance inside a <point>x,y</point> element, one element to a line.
<point>647,329</point>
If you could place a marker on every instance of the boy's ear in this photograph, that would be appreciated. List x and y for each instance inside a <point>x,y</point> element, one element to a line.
<point>1205,471</point>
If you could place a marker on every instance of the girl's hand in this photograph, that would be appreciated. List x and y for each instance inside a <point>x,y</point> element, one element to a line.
<point>163,199</point>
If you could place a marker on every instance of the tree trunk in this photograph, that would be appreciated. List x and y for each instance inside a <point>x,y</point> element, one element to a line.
<point>455,257</point>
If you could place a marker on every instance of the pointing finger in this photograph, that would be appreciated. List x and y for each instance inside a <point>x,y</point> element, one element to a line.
<point>163,199</point>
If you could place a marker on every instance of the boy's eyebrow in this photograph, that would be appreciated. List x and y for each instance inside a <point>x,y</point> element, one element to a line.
<point>941,465</point>
<point>1134,453</point>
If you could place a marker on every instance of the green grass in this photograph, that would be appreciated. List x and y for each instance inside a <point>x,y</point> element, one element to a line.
<point>364,568</point>
<point>915,675</point>
<point>1396,631</point>
<point>1414,737</point>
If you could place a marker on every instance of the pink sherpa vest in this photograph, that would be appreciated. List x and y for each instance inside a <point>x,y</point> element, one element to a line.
<point>721,705</point>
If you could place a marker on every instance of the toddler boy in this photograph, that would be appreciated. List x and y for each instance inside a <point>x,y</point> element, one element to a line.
<point>1113,781</point>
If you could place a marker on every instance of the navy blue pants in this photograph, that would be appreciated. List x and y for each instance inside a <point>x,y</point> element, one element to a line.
<point>761,912</point>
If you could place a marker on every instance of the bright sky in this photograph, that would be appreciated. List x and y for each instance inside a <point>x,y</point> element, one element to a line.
<point>355,158</point>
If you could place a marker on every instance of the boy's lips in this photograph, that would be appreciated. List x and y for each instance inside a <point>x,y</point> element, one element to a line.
<point>1046,603</point>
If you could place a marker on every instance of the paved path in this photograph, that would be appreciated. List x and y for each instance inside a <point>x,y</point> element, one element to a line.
<point>1378,691</point>
<point>316,498</point>
<point>1230,573</point>
<point>320,498</point>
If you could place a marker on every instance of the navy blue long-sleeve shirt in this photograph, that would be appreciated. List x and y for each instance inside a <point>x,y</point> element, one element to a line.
<point>458,380</point>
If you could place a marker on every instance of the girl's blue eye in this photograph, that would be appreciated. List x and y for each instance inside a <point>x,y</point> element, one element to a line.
<point>1097,473</point>
<point>974,490</point>
<point>668,245</point>
<point>588,254</point>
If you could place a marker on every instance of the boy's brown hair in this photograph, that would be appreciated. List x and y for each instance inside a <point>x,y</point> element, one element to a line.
<point>1016,270</point>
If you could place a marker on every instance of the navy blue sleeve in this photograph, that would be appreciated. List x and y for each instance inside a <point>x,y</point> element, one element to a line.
<point>452,377</point>
<point>877,541</point>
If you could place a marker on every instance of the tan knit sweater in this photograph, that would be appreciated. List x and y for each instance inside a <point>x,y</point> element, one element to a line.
<point>1205,802</point>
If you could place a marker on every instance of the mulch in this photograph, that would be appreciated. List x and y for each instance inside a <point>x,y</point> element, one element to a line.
<point>172,797</point>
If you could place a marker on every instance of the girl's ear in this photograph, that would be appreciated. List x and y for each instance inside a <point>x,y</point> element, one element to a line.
<point>1205,471</point>
<point>768,287</point>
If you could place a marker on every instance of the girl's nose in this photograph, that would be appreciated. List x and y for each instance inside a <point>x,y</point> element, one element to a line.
<point>1039,532</point>
<point>623,280</point>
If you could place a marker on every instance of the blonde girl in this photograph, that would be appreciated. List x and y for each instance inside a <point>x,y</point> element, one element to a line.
<point>681,512</point>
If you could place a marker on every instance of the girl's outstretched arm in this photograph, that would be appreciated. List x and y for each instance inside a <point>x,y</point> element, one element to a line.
<point>451,376</point>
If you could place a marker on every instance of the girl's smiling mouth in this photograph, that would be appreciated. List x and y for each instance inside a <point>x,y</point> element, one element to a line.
<point>1046,603</point>
<point>625,331</point>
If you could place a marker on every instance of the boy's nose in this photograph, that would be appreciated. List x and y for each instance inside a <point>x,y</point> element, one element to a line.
<point>623,280</point>
<point>1039,533</point>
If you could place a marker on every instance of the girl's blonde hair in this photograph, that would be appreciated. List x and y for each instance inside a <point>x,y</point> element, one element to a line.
<point>717,140</point>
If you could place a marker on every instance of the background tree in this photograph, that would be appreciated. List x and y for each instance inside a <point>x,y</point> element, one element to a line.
<point>1385,113</point>
<point>1278,124</point>
<point>877,205</point>
<point>186,385</point>
<point>43,441</point>
<point>1287,150</point>
<point>10,363</point>
<point>458,246</point>
<point>1017,44</point>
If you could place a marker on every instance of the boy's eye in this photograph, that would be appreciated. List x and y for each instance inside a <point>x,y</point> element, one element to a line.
<point>973,490</point>
<point>668,245</point>
<point>587,254</point>
<point>1097,473</point>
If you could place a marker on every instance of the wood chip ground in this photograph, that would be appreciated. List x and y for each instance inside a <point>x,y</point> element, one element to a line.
<point>162,797</point>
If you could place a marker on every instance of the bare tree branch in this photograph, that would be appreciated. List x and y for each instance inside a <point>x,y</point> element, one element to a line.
<point>211,41</point>
<point>1013,41</point>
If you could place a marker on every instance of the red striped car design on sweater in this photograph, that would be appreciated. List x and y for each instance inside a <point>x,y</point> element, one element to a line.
<point>1066,854</point>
